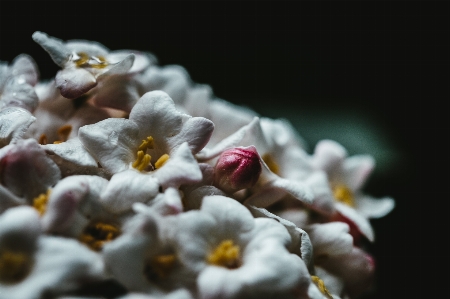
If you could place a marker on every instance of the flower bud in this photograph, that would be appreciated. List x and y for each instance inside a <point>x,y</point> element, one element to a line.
<point>237,168</point>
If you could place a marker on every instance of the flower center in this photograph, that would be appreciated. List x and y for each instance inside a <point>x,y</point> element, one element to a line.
<point>270,161</point>
<point>82,59</point>
<point>143,159</point>
<point>14,266</point>
<point>160,266</point>
<point>96,234</point>
<point>226,254</point>
<point>321,286</point>
<point>343,194</point>
<point>40,202</point>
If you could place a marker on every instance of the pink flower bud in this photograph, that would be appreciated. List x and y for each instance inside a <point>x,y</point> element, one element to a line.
<point>237,168</point>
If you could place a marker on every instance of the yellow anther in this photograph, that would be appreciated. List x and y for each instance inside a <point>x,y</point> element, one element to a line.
<point>95,235</point>
<point>343,194</point>
<point>83,59</point>
<point>226,254</point>
<point>146,144</point>
<point>14,266</point>
<point>270,162</point>
<point>98,62</point>
<point>160,266</point>
<point>64,132</point>
<point>141,161</point>
<point>161,161</point>
<point>321,286</point>
<point>40,202</point>
<point>43,139</point>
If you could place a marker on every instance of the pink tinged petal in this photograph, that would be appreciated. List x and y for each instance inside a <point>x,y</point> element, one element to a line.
<point>63,203</point>
<point>237,168</point>
<point>371,207</point>
<point>21,95</point>
<point>74,82</point>
<point>14,122</point>
<point>357,169</point>
<point>300,240</point>
<point>181,168</point>
<point>196,131</point>
<point>359,225</point>
<point>112,142</point>
<point>26,170</point>
<point>126,188</point>
<point>59,53</point>
<point>356,269</point>
<point>331,238</point>
<point>25,69</point>
<point>231,141</point>
<point>156,115</point>
<point>329,156</point>
<point>19,228</point>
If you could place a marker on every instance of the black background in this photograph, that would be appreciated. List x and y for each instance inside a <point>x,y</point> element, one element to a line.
<point>371,75</point>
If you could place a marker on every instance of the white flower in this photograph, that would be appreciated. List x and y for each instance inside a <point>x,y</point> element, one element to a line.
<point>83,63</point>
<point>26,172</point>
<point>346,177</point>
<point>154,127</point>
<point>144,258</point>
<point>235,255</point>
<point>32,264</point>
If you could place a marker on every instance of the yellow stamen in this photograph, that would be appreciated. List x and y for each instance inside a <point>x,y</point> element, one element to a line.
<point>343,194</point>
<point>161,161</point>
<point>146,144</point>
<point>321,286</point>
<point>95,235</point>
<point>160,266</point>
<point>98,62</point>
<point>226,254</point>
<point>40,202</point>
<point>64,132</point>
<point>141,161</point>
<point>83,59</point>
<point>14,266</point>
<point>43,139</point>
<point>270,161</point>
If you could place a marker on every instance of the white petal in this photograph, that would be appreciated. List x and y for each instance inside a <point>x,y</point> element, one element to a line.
<point>360,221</point>
<point>374,207</point>
<point>113,142</point>
<point>127,187</point>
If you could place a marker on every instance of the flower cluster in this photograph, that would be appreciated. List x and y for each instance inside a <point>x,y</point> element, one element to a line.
<point>121,172</point>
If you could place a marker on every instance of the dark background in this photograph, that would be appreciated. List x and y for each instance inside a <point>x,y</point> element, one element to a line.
<point>373,76</point>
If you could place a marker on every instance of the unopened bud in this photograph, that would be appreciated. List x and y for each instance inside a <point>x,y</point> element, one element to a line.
<point>237,168</point>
